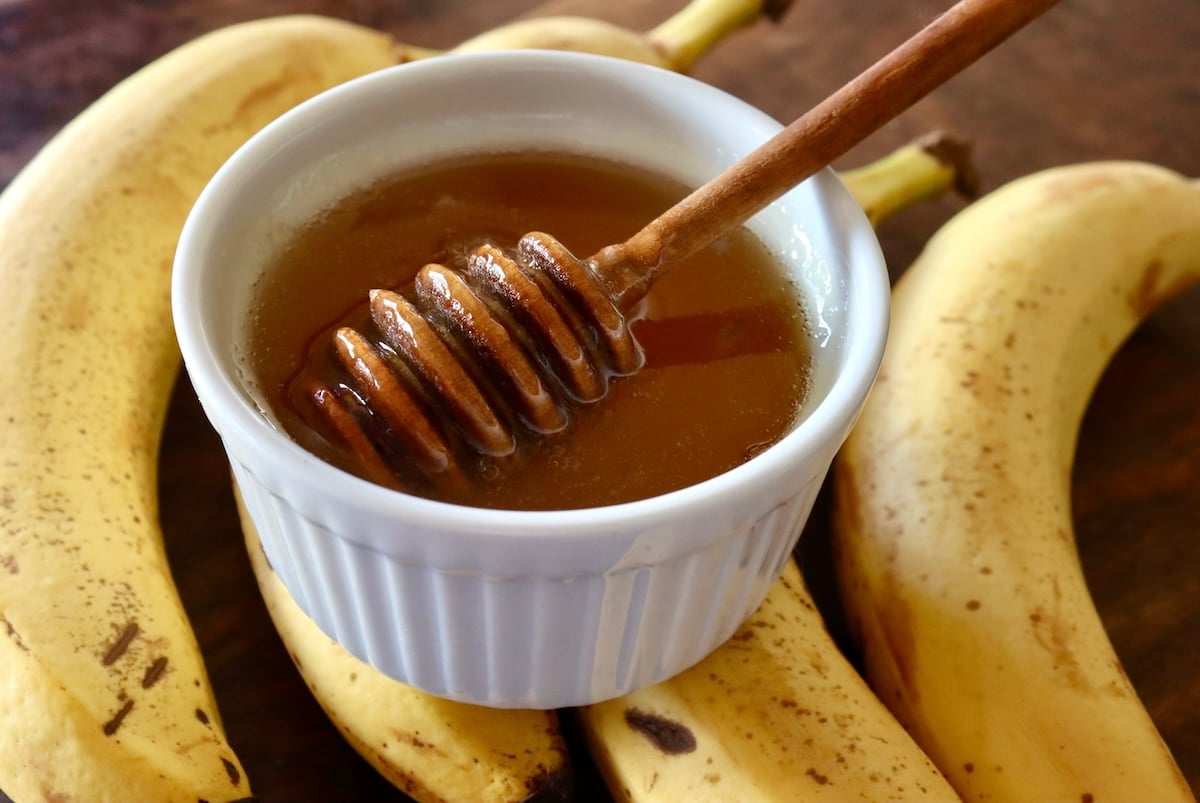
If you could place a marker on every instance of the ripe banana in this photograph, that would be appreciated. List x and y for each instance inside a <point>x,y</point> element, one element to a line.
<point>433,749</point>
<point>954,540</point>
<point>675,44</point>
<point>103,694</point>
<point>778,713</point>
<point>775,714</point>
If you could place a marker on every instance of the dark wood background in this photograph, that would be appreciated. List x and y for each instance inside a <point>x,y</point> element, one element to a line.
<point>1094,79</point>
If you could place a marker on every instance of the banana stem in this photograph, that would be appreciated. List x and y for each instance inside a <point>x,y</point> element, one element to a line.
<point>923,169</point>
<point>690,33</point>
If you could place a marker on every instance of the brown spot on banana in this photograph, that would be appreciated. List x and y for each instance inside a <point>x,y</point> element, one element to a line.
<point>121,645</point>
<point>13,634</point>
<point>669,736</point>
<point>114,723</point>
<point>154,672</point>
<point>414,739</point>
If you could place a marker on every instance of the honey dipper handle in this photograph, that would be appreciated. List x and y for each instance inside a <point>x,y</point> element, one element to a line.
<point>942,49</point>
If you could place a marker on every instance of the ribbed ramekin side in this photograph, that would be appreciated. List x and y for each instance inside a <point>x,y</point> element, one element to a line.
<point>522,640</point>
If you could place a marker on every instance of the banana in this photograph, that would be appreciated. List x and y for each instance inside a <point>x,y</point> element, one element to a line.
<point>103,693</point>
<point>433,749</point>
<point>775,714</point>
<point>675,44</point>
<point>953,534</point>
<point>778,713</point>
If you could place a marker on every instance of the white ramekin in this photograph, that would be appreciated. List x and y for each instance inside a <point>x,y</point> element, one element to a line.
<point>507,608</point>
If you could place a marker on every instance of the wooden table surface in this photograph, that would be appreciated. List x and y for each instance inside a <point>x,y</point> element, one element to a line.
<point>1094,79</point>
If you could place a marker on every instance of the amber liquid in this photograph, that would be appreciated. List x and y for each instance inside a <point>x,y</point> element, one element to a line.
<point>727,349</point>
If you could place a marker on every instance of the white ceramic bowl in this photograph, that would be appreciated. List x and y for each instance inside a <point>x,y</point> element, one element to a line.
<point>504,608</point>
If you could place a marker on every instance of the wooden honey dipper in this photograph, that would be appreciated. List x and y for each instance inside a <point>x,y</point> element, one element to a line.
<point>414,395</point>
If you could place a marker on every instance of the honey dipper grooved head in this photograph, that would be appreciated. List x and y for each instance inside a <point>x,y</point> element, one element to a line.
<point>475,358</point>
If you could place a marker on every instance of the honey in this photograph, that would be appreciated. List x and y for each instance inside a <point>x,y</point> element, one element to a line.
<point>728,354</point>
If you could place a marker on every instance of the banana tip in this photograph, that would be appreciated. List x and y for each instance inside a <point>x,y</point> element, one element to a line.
<point>956,153</point>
